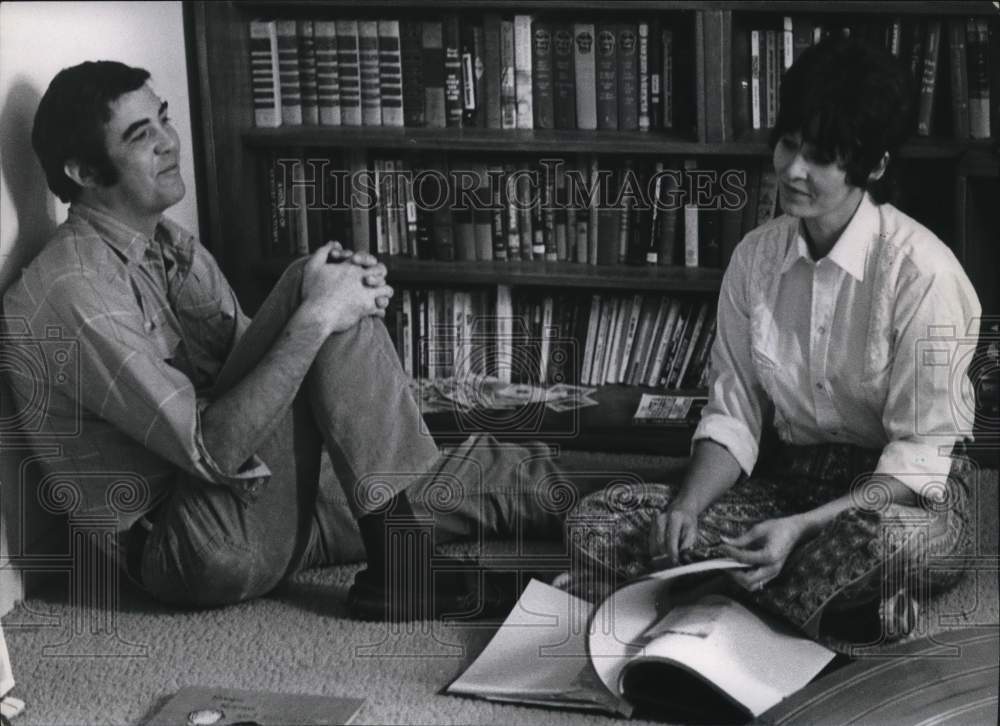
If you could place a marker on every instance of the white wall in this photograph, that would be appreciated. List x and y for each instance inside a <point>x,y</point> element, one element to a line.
<point>37,40</point>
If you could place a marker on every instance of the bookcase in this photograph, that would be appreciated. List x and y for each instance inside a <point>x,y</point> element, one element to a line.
<point>706,113</point>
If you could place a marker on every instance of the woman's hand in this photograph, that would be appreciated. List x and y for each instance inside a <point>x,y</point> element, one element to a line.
<point>673,532</point>
<point>765,547</point>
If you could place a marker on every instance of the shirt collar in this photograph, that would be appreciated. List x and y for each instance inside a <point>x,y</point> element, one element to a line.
<point>850,252</point>
<point>128,241</point>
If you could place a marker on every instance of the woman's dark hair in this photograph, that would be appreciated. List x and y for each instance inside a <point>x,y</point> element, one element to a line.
<point>69,123</point>
<point>852,102</point>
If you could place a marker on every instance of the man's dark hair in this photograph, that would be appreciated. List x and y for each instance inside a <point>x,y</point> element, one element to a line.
<point>853,102</point>
<point>69,123</point>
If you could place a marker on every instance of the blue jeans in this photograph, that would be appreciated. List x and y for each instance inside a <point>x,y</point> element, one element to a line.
<point>211,546</point>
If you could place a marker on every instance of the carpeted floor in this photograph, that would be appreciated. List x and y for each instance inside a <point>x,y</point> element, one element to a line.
<point>86,667</point>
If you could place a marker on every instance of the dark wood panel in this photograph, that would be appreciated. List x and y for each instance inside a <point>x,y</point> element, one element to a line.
<point>538,274</point>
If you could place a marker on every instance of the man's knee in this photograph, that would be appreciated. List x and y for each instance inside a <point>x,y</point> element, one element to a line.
<point>221,575</point>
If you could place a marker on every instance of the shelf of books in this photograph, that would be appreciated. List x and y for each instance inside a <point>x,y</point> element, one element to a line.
<point>537,172</point>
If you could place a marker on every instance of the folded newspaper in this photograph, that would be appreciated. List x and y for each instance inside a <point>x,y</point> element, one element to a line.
<point>669,642</point>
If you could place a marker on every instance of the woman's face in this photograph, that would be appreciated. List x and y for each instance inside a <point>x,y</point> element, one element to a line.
<point>811,189</point>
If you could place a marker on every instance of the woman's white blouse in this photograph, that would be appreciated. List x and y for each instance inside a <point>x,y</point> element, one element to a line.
<point>869,345</point>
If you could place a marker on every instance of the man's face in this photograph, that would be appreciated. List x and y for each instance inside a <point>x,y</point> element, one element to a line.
<point>145,151</point>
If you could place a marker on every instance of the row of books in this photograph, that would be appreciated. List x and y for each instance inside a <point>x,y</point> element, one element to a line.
<point>665,212</point>
<point>952,54</point>
<point>520,336</point>
<point>487,71</point>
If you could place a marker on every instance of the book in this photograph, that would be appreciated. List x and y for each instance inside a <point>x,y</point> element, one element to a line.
<point>288,70</point>
<point>563,78</point>
<point>349,72</point>
<point>756,79</point>
<point>307,72</point>
<point>585,76</point>
<point>671,642</point>
<point>663,341</point>
<point>390,74</point>
<point>411,34</point>
<point>657,410</point>
<point>606,76</point>
<point>452,41</point>
<point>627,48</point>
<point>718,70</point>
<point>667,79</point>
<point>265,81</point>
<point>523,71</point>
<point>642,56</point>
<point>327,75</point>
<point>542,80</point>
<point>772,72</point>
<point>742,121</point>
<point>473,113</point>
<point>432,43</point>
<point>230,706</point>
<point>491,69</point>
<point>508,81</point>
<point>368,55</point>
<point>978,77</point>
<point>655,74</point>
<point>928,77</point>
<point>957,65</point>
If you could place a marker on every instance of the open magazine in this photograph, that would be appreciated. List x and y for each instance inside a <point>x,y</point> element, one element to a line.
<point>670,642</point>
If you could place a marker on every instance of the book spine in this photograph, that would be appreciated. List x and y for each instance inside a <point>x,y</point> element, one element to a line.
<point>470,80</point>
<point>327,77</point>
<point>667,113</point>
<point>653,344</point>
<point>631,326</point>
<point>307,72</point>
<point>452,41</point>
<point>393,208</point>
<point>709,238</point>
<point>508,81</point>
<point>928,81</point>
<point>684,321</point>
<point>523,71</point>
<point>542,78</point>
<point>978,78</point>
<point>548,214</point>
<point>684,356</point>
<point>643,335</point>
<point>512,214</point>
<point>432,42</point>
<point>701,87</point>
<point>264,73</point>
<point>593,320</point>
<point>718,124</point>
<point>691,245</point>
<point>479,73</point>
<point>390,73</point>
<point>525,224</point>
<point>593,212</point>
<point>564,80</point>
<point>655,75</point>
<point>492,68</point>
<point>288,68</point>
<point>741,82</point>
<point>616,341</point>
<point>604,331</point>
<point>585,76</point>
<point>561,214</point>
<point>411,52</point>
<point>497,212</point>
<point>787,43</point>
<point>627,48</point>
<point>669,219</point>
<point>756,115</point>
<point>349,69</point>
<point>606,69</point>
<point>368,55</point>
<point>505,349</point>
<point>663,343</point>
<point>771,70</point>
<point>642,58</point>
<point>958,59</point>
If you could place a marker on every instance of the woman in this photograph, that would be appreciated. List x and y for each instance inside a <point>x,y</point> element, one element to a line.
<point>829,319</point>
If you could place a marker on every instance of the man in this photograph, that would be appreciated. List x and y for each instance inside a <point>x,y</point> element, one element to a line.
<point>221,422</point>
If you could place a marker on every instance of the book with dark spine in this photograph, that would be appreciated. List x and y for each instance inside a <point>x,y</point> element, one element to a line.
<point>390,75</point>
<point>643,75</point>
<point>470,80</point>
<point>452,41</point>
<point>508,80</point>
<point>563,77</point>
<point>627,49</point>
<point>655,75</point>
<point>491,69</point>
<point>978,77</point>
<point>411,35</point>
<point>542,77</point>
<point>928,78</point>
<point>606,74</point>
<point>435,107</point>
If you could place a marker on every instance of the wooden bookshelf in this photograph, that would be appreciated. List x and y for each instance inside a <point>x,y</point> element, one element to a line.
<point>959,175</point>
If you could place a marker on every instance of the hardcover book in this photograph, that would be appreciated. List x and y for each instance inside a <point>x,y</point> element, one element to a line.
<point>411,33</point>
<point>307,72</point>
<point>564,81</point>
<point>265,81</point>
<point>390,75</point>
<point>508,81</point>
<point>491,69</point>
<point>288,69</point>
<point>327,76</point>
<point>371,95</point>
<point>452,41</point>
<point>628,77</point>
<point>523,71</point>
<point>542,78</point>
<point>349,72</point>
<point>585,71</point>
<point>435,107</point>
<point>671,643</point>
<point>606,73</point>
